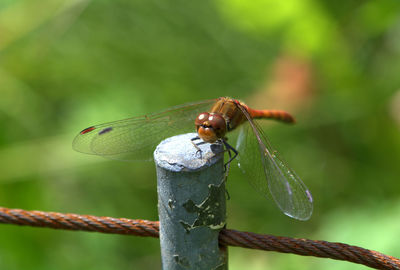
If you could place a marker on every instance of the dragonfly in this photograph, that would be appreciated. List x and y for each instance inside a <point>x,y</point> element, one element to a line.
<point>136,138</point>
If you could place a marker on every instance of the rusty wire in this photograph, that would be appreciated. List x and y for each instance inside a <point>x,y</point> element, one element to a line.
<point>304,247</point>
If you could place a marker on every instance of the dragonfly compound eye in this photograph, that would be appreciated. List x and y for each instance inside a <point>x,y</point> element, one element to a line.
<point>218,124</point>
<point>201,118</point>
<point>210,127</point>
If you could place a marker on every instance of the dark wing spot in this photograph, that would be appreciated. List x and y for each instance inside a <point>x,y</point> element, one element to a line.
<point>106,130</point>
<point>86,130</point>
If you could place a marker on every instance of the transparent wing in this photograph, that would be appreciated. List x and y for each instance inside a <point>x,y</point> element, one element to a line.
<point>136,138</point>
<point>269,173</point>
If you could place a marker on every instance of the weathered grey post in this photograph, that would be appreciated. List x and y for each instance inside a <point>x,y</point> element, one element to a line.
<point>191,203</point>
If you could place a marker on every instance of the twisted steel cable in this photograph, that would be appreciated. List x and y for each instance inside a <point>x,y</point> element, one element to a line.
<point>304,247</point>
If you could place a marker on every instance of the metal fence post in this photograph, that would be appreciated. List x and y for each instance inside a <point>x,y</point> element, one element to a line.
<point>191,203</point>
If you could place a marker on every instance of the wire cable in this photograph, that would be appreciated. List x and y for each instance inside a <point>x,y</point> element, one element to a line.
<point>227,237</point>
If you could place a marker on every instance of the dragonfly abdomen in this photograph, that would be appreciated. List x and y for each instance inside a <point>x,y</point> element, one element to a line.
<point>271,114</point>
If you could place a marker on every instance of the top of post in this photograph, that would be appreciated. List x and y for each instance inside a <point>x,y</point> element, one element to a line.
<point>181,153</point>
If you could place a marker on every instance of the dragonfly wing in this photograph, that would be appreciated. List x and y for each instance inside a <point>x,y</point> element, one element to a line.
<point>136,138</point>
<point>270,174</point>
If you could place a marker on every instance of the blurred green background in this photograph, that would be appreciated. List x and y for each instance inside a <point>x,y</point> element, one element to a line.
<point>65,65</point>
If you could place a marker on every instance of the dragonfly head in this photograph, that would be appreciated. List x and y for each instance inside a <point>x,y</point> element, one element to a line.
<point>210,126</point>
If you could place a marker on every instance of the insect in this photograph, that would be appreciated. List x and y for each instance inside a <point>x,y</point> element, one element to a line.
<point>136,138</point>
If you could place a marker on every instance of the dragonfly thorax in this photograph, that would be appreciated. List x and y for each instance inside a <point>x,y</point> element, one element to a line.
<point>211,126</point>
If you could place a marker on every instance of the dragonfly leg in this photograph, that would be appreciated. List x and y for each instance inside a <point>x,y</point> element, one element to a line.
<point>227,165</point>
<point>229,148</point>
<point>228,197</point>
<point>195,138</point>
<point>196,145</point>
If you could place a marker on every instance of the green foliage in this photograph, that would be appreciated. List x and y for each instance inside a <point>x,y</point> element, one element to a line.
<point>65,65</point>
